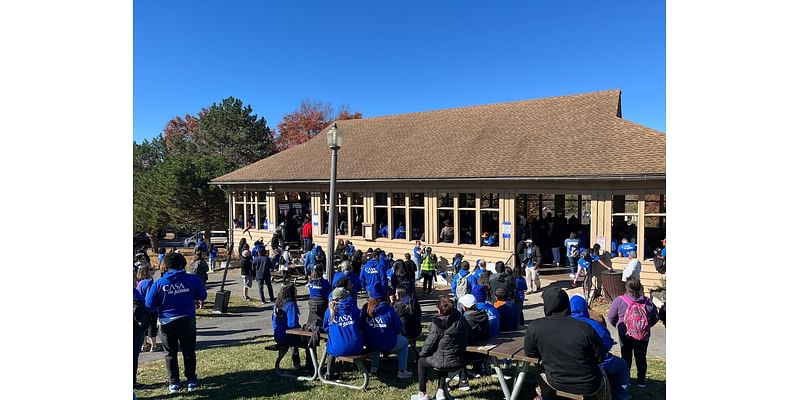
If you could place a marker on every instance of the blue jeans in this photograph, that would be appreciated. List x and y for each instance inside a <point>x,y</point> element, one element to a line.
<point>618,374</point>
<point>308,269</point>
<point>306,244</point>
<point>572,264</point>
<point>401,348</point>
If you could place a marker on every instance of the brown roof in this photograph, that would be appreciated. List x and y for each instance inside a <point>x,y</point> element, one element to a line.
<point>569,136</point>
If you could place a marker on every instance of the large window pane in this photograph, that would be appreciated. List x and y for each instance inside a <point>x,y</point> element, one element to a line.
<point>238,219</point>
<point>399,223</point>
<point>490,200</point>
<point>625,204</point>
<point>357,198</point>
<point>341,220</point>
<point>548,205</point>
<point>623,227</point>
<point>445,200</point>
<point>358,219</point>
<point>445,224</point>
<point>325,219</point>
<point>381,199</point>
<point>382,221</point>
<point>490,227</point>
<point>262,214</point>
<point>398,199</point>
<point>655,230</point>
<point>341,198</point>
<point>466,200</point>
<point>417,200</point>
<point>417,224</point>
<point>466,226</point>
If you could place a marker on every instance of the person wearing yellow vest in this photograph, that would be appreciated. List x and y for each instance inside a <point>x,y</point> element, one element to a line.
<point>428,267</point>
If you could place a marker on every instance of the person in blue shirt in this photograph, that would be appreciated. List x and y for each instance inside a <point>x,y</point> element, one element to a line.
<point>572,244</point>
<point>145,278</point>
<point>494,318</point>
<point>383,231</point>
<point>318,291</point>
<point>346,271</point>
<point>480,267</point>
<point>344,326</point>
<point>616,369</point>
<point>175,296</point>
<point>625,247</point>
<point>504,304</point>
<point>456,264</point>
<point>490,240</point>
<point>285,316</point>
<point>462,273</point>
<point>310,259</point>
<point>212,257</point>
<point>417,258</point>
<point>519,295</point>
<point>350,248</point>
<point>383,332</point>
<point>481,288</point>
<point>265,224</point>
<point>400,232</point>
<point>373,274</point>
<point>201,246</point>
<point>584,263</point>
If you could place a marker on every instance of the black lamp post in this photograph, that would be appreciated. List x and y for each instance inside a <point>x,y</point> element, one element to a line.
<point>335,143</point>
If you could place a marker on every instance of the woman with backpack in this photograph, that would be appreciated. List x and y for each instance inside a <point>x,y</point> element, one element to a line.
<point>286,316</point>
<point>634,314</point>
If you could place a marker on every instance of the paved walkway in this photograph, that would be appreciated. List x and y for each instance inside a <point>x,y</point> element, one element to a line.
<point>246,322</point>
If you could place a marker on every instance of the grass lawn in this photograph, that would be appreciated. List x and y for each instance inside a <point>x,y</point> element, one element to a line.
<point>245,371</point>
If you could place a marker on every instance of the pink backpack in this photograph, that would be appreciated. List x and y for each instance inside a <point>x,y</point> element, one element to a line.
<point>636,319</point>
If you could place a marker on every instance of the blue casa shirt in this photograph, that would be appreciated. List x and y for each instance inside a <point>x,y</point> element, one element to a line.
<point>626,248</point>
<point>373,276</point>
<point>345,337</point>
<point>289,320</point>
<point>494,318</point>
<point>353,279</point>
<point>380,331</point>
<point>319,288</point>
<point>173,295</point>
<point>572,247</point>
<point>522,287</point>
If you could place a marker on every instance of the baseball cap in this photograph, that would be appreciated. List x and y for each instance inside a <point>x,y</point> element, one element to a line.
<point>467,300</point>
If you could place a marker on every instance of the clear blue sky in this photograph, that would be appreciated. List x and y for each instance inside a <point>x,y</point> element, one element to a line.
<point>391,57</point>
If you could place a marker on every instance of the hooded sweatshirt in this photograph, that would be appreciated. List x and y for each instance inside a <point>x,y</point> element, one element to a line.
<point>478,322</point>
<point>570,350</point>
<point>373,276</point>
<point>480,292</point>
<point>289,318</point>
<point>173,295</point>
<point>353,279</point>
<point>502,280</point>
<point>580,311</point>
<point>410,314</point>
<point>345,337</point>
<point>446,344</point>
<point>508,318</point>
<point>319,288</point>
<point>616,314</point>
<point>380,331</point>
<point>493,316</point>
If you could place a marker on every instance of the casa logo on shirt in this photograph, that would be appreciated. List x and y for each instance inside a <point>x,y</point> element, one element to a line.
<point>371,270</point>
<point>344,320</point>
<point>175,288</point>
<point>377,322</point>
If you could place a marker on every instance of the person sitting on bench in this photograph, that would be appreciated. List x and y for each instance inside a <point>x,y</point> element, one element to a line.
<point>383,332</point>
<point>478,322</point>
<point>570,350</point>
<point>344,327</point>
<point>318,291</point>
<point>287,316</point>
<point>444,348</point>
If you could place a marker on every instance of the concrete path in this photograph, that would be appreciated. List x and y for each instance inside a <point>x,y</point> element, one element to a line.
<point>247,322</point>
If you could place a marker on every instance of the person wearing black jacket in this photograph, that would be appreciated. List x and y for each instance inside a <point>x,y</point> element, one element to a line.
<point>408,309</point>
<point>444,348</point>
<point>478,322</point>
<point>246,264</point>
<point>263,267</point>
<point>569,349</point>
<point>531,258</point>
<point>504,278</point>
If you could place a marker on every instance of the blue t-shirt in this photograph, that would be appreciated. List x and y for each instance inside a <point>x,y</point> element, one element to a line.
<point>400,232</point>
<point>626,248</point>
<point>522,287</point>
<point>508,320</point>
<point>383,232</point>
<point>345,337</point>
<point>319,288</point>
<point>494,318</point>
<point>582,263</point>
<point>664,251</point>
<point>380,331</point>
<point>290,320</point>
<point>480,292</point>
<point>213,253</point>
<point>174,294</point>
<point>572,247</point>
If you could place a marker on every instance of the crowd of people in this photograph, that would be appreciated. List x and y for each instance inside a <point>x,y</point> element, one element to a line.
<point>572,342</point>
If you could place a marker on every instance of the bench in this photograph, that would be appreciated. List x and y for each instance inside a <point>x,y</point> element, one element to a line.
<point>358,360</point>
<point>283,349</point>
<point>572,396</point>
<point>507,345</point>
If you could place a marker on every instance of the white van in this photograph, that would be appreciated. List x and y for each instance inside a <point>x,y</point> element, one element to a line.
<point>217,237</point>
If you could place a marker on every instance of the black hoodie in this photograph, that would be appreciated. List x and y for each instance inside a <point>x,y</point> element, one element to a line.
<point>503,280</point>
<point>569,349</point>
<point>478,322</point>
<point>446,344</point>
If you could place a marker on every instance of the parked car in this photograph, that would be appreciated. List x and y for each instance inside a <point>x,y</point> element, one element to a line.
<point>217,237</point>
<point>141,240</point>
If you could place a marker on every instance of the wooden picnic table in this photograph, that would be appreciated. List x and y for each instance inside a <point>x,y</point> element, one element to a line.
<point>507,345</point>
<point>318,374</point>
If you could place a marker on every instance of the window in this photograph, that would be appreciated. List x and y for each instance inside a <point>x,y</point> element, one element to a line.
<point>399,216</point>
<point>466,218</point>
<point>528,211</point>
<point>325,213</point>
<point>357,213</point>
<point>624,218</point>
<point>490,219</point>
<point>655,224</point>
<point>382,214</point>
<point>445,218</point>
<point>417,218</point>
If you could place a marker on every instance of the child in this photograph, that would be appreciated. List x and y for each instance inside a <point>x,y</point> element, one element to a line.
<point>212,257</point>
<point>583,266</point>
<point>522,287</point>
<point>505,308</point>
<point>145,278</point>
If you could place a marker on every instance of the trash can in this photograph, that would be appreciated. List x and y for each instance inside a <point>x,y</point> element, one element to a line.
<point>221,299</point>
<point>612,283</point>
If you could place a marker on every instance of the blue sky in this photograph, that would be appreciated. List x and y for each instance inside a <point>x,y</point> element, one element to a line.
<point>391,57</point>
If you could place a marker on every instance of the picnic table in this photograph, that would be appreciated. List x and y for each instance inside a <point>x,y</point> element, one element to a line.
<point>282,350</point>
<point>506,345</point>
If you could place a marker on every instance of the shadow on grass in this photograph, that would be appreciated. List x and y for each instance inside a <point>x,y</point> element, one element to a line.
<point>242,384</point>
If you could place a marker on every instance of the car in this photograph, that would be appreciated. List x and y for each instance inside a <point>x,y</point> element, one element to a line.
<point>141,241</point>
<point>217,237</point>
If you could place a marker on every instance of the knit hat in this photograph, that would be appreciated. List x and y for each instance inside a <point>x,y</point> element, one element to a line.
<point>340,293</point>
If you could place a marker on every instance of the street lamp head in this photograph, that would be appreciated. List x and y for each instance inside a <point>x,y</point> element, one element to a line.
<point>334,137</point>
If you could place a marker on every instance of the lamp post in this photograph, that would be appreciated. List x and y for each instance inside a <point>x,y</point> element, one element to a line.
<point>335,143</point>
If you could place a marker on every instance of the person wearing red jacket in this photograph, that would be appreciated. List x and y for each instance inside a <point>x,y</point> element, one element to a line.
<point>306,235</point>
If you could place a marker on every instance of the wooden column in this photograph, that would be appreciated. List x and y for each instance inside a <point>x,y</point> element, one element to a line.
<point>640,228</point>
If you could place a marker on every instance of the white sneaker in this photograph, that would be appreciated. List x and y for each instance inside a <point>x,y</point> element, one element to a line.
<point>420,396</point>
<point>571,276</point>
<point>404,374</point>
<point>440,394</point>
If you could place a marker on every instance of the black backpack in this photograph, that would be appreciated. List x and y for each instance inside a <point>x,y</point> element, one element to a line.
<point>141,316</point>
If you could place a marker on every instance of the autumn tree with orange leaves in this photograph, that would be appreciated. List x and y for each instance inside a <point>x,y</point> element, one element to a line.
<point>301,125</point>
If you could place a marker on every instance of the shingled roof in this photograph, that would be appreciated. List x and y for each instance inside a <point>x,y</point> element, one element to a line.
<point>569,136</point>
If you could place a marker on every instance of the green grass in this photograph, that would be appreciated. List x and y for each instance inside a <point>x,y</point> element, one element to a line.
<point>245,371</point>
